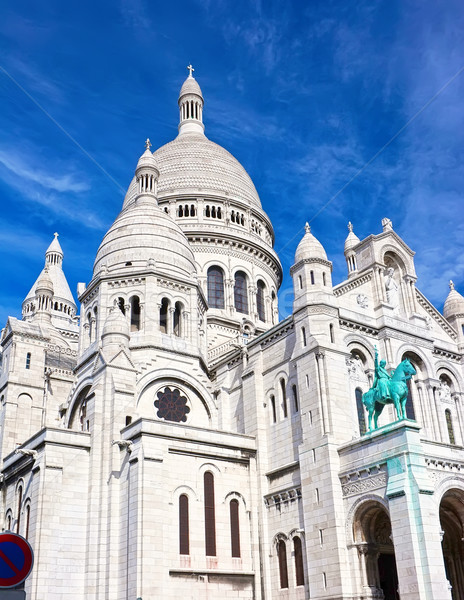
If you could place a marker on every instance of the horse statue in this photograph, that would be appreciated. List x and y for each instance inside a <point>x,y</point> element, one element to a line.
<point>388,388</point>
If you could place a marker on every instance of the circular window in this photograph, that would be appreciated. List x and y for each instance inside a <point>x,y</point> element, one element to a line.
<point>171,405</point>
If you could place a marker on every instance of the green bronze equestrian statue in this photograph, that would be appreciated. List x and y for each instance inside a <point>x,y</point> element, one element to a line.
<point>388,388</point>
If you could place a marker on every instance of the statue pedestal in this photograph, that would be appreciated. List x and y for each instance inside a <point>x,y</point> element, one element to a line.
<point>387,466</point>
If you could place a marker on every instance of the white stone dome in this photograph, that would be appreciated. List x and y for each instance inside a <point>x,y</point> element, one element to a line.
<point>454,303</point>
<point>190,86</point>
<point>193,164</point>
<point>309,247</point>
<point>143,234</point>
<point>352,239</point>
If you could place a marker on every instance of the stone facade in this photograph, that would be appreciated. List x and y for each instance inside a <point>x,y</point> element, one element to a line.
<point>176,439</point>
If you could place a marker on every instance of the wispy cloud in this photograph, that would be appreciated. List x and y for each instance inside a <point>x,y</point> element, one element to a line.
<point>22,167</point>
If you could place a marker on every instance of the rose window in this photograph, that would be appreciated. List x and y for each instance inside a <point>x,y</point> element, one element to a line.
<point>171,405</point>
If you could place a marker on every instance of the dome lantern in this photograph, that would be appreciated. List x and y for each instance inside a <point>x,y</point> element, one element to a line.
<point>350,243</point>
<point>191,104</point>
<point>147,173</point>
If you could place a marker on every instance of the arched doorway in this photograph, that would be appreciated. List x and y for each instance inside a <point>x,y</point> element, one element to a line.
<point>376,554</point>
<point>452,525</point>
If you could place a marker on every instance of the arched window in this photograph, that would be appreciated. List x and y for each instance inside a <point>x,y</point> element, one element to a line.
<point>20,501</point>
<point>135,313</point>
<point>311,276</point>
<point>260,304</point>
<point>210,517</point>
<point>234,529</point>
<point>360,410</point>
<point>323,278</point>
<point>284,397</point>
<point>410,414</point>
<point>298,552</point>
<point>283,572</point>
<point>273,408</point>
<point>295,398</point>
<point>8,523</point>
<point>240,293</point>
<point>164,315</point>
<point>28,360</point>
<point>215,287</point>
<point>122,306</point>
<point>177,319</point>
<point>449,425</point>
<point>300,282</point>
<point>28,518</point>
<point>184,543</point>
<point>303,334</point>
<point>331,331</point>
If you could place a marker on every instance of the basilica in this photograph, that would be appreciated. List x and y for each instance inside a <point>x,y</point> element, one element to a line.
<point>170,437</point>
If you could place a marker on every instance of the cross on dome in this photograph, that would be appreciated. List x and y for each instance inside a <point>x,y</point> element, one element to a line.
<point>350,226</point>
<point>56,235</point>
<point>307,227</point>
<point>147,144</point>
<point>451,284</point>
<point>190,69</point>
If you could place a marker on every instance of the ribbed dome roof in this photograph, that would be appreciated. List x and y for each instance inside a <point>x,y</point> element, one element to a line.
<point>352,239</point>
<point>454,303</point>
<point>309,247</point>
<point>143,233</point>
<point>190,86</point>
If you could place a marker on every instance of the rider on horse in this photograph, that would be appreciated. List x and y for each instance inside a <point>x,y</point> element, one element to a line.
<point>381,379</point>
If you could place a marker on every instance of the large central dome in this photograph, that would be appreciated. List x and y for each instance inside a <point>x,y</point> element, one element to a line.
<point>192,163</point>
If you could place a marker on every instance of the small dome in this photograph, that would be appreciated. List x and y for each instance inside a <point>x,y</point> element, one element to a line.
<point>352,239</point>
<point>454,304</point>
<point>141,232</point>
<point>190,86</point>
<point>116,323</point>
<point>309,247</point>
<point>147,160</point>
<point>44,282</point>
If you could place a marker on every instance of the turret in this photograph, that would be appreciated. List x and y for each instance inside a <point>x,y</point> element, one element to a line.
<point>44,297</point>
<point>453,311</point>
<point>350,243</point>
<point>147,173</point>
<point>312,273</point>
<point>115,334</point>
<point>191,106</point>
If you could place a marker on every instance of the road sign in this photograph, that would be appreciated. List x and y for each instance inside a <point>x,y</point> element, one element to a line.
<point>16,559</point>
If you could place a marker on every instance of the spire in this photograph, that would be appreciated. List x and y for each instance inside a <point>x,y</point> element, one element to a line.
<point>307,227</point>
<point>191,106</point>
<point>54,253</point>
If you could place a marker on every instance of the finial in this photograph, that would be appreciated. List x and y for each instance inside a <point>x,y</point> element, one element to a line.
<point>451,284</point>
<point>307,227</point>
<point>350,226</point>
<point>147,144</point>
<point>190,69</point>
<point>387,224</point>
<point>56,235</point>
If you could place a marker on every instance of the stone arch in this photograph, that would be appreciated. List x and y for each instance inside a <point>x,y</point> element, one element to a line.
<point>76,405</point>
<point>451,515</point>
<point>371,534</point>
<point>197,395</point>
<point>237,496</point>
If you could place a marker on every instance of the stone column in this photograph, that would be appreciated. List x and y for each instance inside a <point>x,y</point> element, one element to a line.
<point>320,359</point>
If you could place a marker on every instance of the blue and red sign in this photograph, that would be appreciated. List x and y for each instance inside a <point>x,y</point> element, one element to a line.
<point>16,559</point>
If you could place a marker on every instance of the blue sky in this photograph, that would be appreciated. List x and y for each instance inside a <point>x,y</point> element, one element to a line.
<point>303,93</point>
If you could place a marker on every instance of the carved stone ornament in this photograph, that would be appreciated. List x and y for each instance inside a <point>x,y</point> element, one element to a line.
<point>362,300</point>
<point>171,405</point>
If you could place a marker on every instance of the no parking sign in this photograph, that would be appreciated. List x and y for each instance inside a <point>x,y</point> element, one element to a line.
<point>16,559</point>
